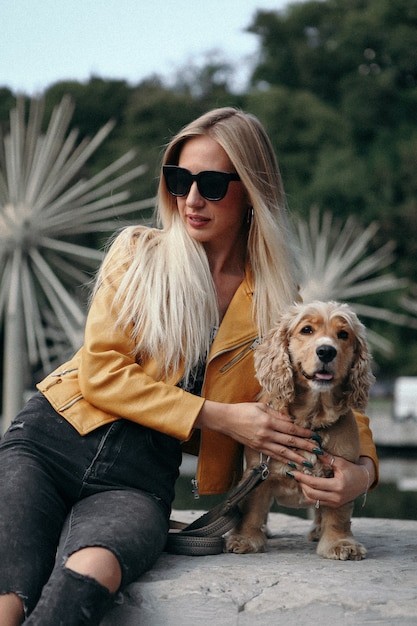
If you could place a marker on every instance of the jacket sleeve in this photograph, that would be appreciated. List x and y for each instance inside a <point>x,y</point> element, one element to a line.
<point>111,379</point>
<point>367,445</point>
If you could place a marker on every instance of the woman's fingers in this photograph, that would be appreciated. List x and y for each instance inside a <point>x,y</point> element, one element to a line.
<point>349,481</point>
<point>266,430</point>
<point>286,439</point>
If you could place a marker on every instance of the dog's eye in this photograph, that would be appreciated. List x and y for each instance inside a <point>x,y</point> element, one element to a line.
<point>307,330</point>
<point>343,334</point>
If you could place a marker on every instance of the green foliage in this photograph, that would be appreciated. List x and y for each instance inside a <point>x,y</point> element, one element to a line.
<point>303,129</point>
<point>153,114</point>
<point>357,62</point>
<point>7,102</point>
<point>96,102</point>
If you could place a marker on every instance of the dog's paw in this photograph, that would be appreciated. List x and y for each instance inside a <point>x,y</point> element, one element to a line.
<point>243,544</point>
<point>345,549</point>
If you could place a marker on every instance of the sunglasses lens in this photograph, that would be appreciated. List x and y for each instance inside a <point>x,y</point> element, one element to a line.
<point>213,185</point>
<point>178,180</point>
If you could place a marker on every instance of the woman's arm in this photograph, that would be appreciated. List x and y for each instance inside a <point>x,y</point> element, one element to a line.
<point>368,448</point>
<point>111,380</point>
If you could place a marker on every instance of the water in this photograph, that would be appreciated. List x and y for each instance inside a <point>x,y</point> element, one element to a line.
<point>388,500</point>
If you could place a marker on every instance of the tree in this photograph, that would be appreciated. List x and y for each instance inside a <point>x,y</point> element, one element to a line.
<point>356,59</point>
<point>95,103</point>
<point>302,128</point>
<point>317,45</point>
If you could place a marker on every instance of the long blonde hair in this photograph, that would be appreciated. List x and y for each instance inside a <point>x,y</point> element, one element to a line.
<point>167,295</point>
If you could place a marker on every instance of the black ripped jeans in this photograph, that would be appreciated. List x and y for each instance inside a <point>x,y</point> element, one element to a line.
<point>59,490</point>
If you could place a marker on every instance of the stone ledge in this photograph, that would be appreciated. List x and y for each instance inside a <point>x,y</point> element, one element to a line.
<point>287,584</point>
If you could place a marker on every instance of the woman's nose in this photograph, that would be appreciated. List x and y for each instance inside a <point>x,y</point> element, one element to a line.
<point>194,198</point>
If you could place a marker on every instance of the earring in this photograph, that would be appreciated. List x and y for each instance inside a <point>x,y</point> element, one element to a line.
<point>249,216</point>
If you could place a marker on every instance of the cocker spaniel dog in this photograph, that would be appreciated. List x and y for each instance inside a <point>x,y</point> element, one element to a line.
<point>315,366</point>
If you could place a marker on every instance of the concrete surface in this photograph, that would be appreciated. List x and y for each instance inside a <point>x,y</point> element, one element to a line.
<point>289,584</point>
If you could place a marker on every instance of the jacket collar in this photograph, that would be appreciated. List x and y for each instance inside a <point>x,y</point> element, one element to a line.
<point>237,326</point>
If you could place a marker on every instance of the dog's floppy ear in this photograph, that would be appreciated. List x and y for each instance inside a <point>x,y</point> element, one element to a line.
<point>361,377</point>
<point>273,365</point>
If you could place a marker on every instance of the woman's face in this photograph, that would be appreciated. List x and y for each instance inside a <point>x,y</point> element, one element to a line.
<point>211,222</point>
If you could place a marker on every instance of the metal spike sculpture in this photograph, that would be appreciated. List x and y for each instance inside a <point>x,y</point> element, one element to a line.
<point>45,206</point>
<point>335,265</point>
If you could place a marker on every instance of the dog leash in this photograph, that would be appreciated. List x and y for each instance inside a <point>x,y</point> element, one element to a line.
<point>205,535</point>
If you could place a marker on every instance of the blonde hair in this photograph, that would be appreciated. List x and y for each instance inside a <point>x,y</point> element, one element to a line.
<point>167,294</point>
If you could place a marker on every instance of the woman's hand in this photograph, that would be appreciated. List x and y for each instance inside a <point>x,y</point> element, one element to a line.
<point>258,426</point>
<point>349,481</point>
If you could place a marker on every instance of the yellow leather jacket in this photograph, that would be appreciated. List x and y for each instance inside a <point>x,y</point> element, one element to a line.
<point>103,383</point>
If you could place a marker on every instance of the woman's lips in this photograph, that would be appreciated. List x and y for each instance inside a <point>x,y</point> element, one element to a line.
<point>197,221</point>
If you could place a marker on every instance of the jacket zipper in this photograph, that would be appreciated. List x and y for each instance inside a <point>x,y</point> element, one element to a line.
<point>194,488</point>
<point>74,369</point>
<point>240,355</point>
<point>71,403</point>
<point>58,378</point>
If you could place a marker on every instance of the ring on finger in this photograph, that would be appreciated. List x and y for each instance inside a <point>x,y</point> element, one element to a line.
<point>317,505</point>
<point>332,461</point>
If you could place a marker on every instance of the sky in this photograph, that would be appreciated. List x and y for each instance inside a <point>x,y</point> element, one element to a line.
<point>45,41</point>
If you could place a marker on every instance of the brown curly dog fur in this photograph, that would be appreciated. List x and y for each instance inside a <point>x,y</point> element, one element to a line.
<point>315,366</point>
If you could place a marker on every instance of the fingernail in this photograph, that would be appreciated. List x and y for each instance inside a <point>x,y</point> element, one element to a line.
<point>316,437</point>
<point>290,474</point>
<point>307,464</point>
<point>291,464</point>
<point>318,451</point>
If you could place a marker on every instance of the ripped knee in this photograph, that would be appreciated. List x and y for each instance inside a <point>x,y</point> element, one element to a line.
<point>98,563</point>
<point>13,606</point>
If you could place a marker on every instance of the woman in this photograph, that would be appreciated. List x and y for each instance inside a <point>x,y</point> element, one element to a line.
<point>90,464</point>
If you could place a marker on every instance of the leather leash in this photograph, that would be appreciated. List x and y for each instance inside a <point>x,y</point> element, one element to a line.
<point>205,535</point>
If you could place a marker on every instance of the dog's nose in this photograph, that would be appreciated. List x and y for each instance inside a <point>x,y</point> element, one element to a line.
<point>326,353</point>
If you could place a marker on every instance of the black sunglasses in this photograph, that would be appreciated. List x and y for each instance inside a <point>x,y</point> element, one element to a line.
<point>211,185</point>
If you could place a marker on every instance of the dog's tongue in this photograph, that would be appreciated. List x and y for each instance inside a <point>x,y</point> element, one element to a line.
<point>324,376</point>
